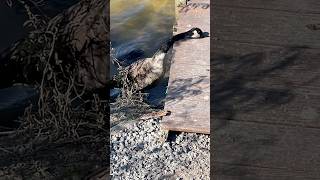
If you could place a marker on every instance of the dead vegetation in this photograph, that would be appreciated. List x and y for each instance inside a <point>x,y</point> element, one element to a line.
<point>66,133</point>
<point>130,104</point>
<point>64,107</point>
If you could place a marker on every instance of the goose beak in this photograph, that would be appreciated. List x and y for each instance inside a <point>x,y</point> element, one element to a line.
<point>205,34</point>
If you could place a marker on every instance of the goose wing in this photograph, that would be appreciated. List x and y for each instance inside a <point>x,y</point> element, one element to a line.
<point>135,72</point>
<point>140,73</point>
<point>140,69</point>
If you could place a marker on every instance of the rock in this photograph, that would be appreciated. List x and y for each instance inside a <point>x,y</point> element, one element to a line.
<point>147,158</point>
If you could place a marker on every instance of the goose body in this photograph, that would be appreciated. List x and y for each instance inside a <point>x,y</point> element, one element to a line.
<point>144,72</point>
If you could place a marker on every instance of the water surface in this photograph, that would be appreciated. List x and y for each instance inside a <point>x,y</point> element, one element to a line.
<point>140,24</point>
<point>138,28</point>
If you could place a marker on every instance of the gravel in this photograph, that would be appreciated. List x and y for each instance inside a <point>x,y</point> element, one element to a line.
<point>138,151</point>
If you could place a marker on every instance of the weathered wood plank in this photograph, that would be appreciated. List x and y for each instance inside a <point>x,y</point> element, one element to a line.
<point>265,89</point>
<point>236,48</point>
<point>261,148</point>
<point>226,171</point>
<point>295,6</point>
<point>265,27</point>
<point>189,81</point>
<point>279,86</point>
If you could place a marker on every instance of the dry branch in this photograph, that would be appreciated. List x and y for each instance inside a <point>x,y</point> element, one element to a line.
<point>80,35</point>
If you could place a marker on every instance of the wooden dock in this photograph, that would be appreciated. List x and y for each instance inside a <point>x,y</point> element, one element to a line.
<point>266,89</point>
<point>188,94</point>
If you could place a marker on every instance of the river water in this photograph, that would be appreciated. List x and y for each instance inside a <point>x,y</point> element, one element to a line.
<point>140,24</point>
<point>138,27</point>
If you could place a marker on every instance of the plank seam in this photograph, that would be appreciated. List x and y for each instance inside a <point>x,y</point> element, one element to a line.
<point>272,123</point>
<point>267,44</point>
<point>266,167</point>
<point>267,9</point>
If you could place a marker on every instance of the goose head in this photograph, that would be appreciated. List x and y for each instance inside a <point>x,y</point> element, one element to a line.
<point>196,33</point>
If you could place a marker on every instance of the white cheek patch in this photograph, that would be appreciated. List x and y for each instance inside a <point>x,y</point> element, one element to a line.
<point>195,34</point>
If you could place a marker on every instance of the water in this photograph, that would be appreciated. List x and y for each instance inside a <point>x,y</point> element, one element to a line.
<point>140,25</point>
<point>138,28</point>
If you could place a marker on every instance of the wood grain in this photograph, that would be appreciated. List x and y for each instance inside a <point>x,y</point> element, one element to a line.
<point>247,149</point>
<point>188,91</point>
<point>265,89</point>
<point>293,6</point>
<point>267,27</point>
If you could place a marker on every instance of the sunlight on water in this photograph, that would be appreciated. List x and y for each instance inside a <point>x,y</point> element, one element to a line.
<point>140,25</point>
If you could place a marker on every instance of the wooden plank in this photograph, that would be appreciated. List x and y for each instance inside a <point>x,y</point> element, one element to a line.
<point>265,27</point>
<point>278,86</point>
<point>236,48</point>
<point>295,6</point>
<point>258,150</point>
<point>189,82</point>
<point>265,90</point>
<point>226,171</point>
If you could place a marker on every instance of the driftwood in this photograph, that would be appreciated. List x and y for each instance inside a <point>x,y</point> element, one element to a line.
<point>81,42</point>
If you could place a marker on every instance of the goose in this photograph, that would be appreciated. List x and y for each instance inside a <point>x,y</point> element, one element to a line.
<point>145,71</point>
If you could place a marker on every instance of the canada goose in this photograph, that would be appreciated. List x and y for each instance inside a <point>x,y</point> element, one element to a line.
<point>144,72</point>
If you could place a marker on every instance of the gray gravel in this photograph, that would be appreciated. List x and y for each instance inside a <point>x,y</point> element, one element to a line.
<point>138,151</point>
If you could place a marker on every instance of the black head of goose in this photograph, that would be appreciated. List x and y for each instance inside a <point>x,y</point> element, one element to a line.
<point>194,33</point>
<point>144,72</point>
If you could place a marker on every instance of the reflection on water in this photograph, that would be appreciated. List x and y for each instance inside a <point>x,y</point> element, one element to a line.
<point>138,27</point>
